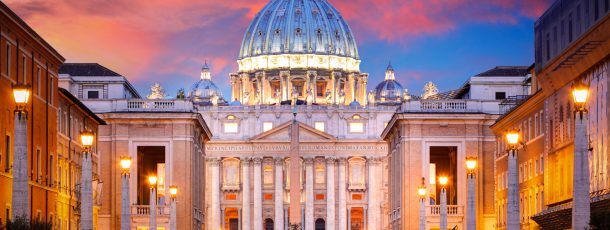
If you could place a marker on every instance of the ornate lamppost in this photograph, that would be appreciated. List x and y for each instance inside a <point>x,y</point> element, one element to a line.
<point>152,181</point>
<point>581,206</point>
<point>512,217</point>
<point>443,182</point>
<point>471,166</point>
<point>422,191</point>
<point>86,221</point>
<point>173,190</point>
<point>125,209</point>
<point>20,192</point>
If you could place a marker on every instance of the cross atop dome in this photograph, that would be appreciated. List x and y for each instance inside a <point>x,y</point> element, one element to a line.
<point>389,72</point>
<point>205,71</point>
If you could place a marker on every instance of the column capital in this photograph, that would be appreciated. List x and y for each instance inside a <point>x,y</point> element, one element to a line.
<point>257,161</point>
<point>374,160</point>
<point>330,160</point>
<point>308,161</point>
<point>213,161</point>
<point>279,161</point>
<point>341,160</point>
<point>245,161</point>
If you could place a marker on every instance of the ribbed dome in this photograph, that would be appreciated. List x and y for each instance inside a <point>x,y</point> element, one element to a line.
<point>298,27</point>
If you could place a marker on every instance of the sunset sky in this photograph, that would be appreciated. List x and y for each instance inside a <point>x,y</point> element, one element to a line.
<point>167,41</point>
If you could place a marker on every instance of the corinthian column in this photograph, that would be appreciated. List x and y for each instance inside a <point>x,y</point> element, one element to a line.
<point>279,194</point>
<point>374,209</point>
<point>342,195</point>
<point>330,193</point>
<point>258,201</point>
<point>309,224</point>
<point>245,192</point>
<point>214,164</point>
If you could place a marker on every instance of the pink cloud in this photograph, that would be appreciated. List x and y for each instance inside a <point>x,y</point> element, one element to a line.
<point>155,39</point>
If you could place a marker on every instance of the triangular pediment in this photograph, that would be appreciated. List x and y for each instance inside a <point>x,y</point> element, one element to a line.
<point>282,133</point>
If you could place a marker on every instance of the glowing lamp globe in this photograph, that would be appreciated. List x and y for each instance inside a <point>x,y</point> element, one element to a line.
<point>21,94</point>
<point>152,180</point>
<point>443,180</point>
<point>512,137</point>
<point>86,138</point>
<point>580,92</point>
<point>125,162</point>
<point>421,191</point>
<point>173,190</point>
<point>471,163</point>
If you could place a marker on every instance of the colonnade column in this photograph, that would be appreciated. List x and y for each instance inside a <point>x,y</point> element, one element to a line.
<point>342,195</point>
<point>245,192</point>
<point>258,201</point>
<point>279,194</point>
<point>330,193</point>
<point>309,199</point>
<point>214,165</point>
<point>374,208</point>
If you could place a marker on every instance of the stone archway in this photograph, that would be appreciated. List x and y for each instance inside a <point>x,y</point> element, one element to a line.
<point>268,224</point>
<point>320,224</point>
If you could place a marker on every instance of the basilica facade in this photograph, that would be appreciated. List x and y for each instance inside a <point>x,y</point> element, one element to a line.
<point>299,140</point>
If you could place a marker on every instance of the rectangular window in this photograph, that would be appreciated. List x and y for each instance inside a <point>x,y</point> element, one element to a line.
<point>38,166</point>
<point>319,125</point>
<point>267,125</point>
<point>500,95</point>
<point>570,30</point>
<point>7,154</point>
<point>548,46</point>
<point>51,92</point>
<point>50,168</point>
<point>541,164</point>
<point>93,94</point>
<point>356,127</point>
<point>231,127</point>
<point>8,59</point>
<point>38,81</point>
<point>24,69</point>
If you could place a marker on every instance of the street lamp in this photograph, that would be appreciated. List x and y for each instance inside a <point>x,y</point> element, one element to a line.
<point>20,191</point>
<point>86,222</point>
<point>125,163</point>
<point>421,191</point>
<point>512,217</point>
<point>152,181</point>
<point>471,166</point>
<point>581,208</point>
<point>443,182</point>
<point>173,190</point>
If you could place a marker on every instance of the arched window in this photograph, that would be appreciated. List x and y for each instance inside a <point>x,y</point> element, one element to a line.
<point>320,224</point>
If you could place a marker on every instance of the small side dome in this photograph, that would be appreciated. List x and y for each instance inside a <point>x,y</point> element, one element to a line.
<point>204,91</point>
<point>354,104</point>
<point>388,91</point>
<point>235,103</point>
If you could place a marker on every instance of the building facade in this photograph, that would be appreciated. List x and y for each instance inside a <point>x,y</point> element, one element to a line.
<point>73,118</point>
<point>27,59</point>
<point>571,44</point>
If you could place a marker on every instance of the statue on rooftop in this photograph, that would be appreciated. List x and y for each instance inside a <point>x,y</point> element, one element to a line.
<point>156,92</point>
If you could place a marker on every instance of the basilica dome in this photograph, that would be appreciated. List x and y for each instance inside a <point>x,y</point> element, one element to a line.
<point>298,34</point>
<point>388,91</point>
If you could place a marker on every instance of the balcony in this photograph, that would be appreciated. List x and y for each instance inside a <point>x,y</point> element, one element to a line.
<point>450,106</point>
<point>139,105</point>
<point>455,216</point>
<point>140,215</point>
<point>356,187</point>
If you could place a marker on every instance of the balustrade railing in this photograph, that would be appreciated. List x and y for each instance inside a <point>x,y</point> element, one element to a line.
<point>450,106</point>
<point>452,210</point>
<point>144,210</point>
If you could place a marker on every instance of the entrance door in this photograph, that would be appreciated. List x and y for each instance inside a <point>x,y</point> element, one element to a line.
<point>268,224</point>
<point>320,224</point>
<point>356,218</point>
<point>233,224</point>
